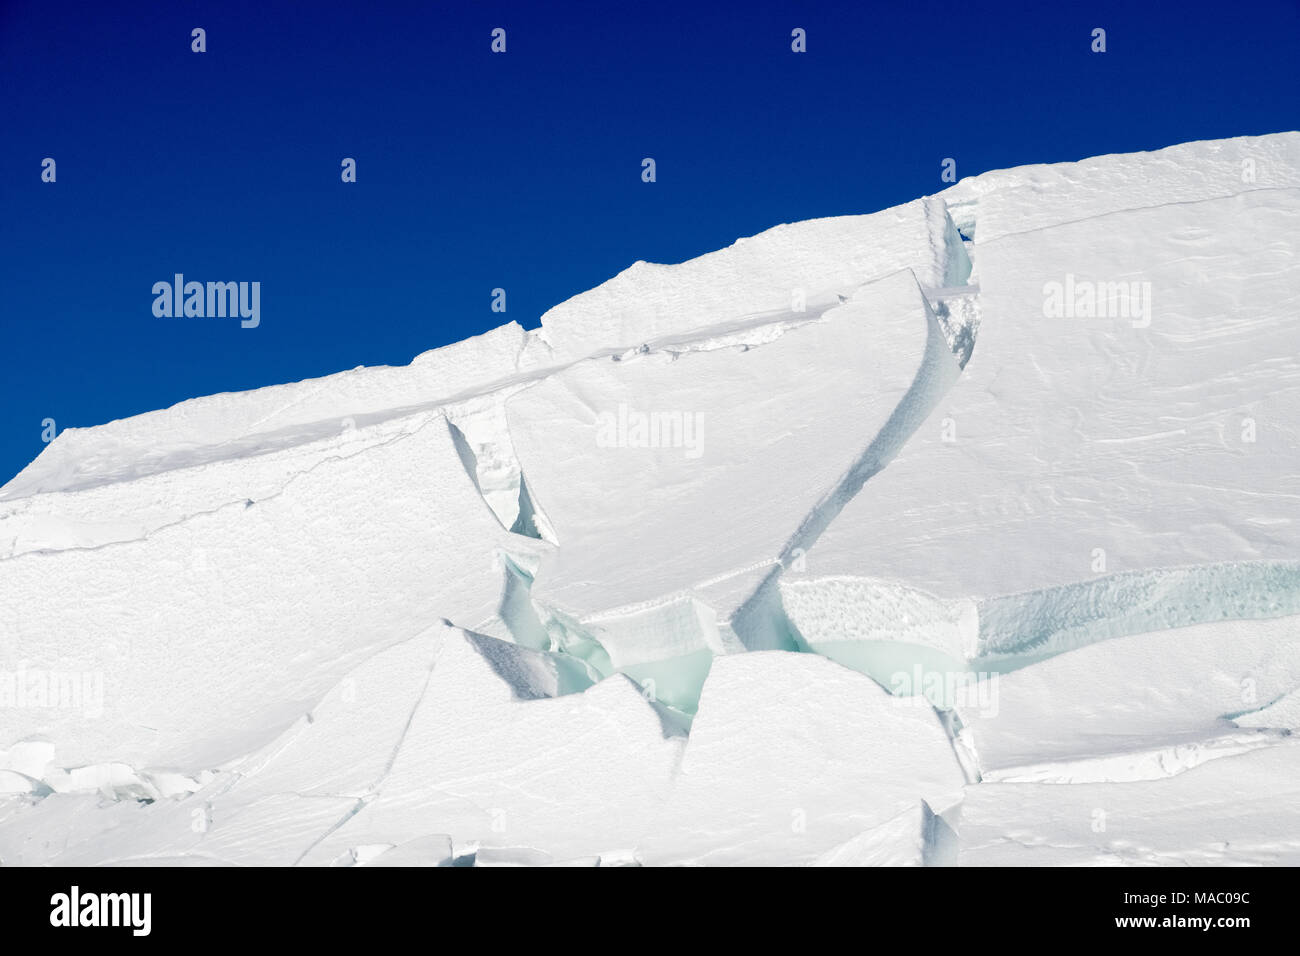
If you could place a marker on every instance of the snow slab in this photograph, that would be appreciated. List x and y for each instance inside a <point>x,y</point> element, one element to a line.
<point>1134,708</point>
<point>716,490</point>
<point>791,756</point>
<point>816,259</point>
<point>204,640</point>
<point>498,766</point>
<point>1089,477</point>
<point>1028,198</point>
<point>275,806</point>
<point>1238,811</point>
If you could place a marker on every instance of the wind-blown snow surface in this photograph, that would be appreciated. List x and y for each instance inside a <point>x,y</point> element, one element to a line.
<point>963,532</point>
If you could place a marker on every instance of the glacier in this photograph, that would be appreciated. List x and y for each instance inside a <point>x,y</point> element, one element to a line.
<point>966,532</point>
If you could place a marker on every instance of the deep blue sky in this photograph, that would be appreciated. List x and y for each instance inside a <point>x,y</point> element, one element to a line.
<point>519,170</point>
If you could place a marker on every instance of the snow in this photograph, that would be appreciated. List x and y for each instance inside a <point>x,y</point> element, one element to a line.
<point>820,258</point>
<point>1137,707</point>
<point>792,755</point>
<point>572,775</point>
<point>432,850</point>
<point>887,539</point>
<point>1086,478</point>
<point>795,452</point>
<point>187,687</point>
<point>1281,714</point>
<point>1242,810</point>
<point>916,837</point>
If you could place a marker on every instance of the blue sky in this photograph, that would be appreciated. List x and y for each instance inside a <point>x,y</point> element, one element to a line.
<point>518,170</point>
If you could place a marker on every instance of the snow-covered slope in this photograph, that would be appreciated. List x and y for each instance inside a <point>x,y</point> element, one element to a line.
<point>906,538</point>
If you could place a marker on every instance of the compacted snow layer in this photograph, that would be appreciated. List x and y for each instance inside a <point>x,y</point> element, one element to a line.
<point>211,634</point>
<point>1239,810</point>
<point>1147,705</point>
<point>792,755</point>
<point>961,532</point>
<point>1099,476</point>
<point>645,448</point>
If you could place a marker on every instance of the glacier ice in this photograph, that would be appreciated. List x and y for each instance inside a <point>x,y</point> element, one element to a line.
<point>964,532</point>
